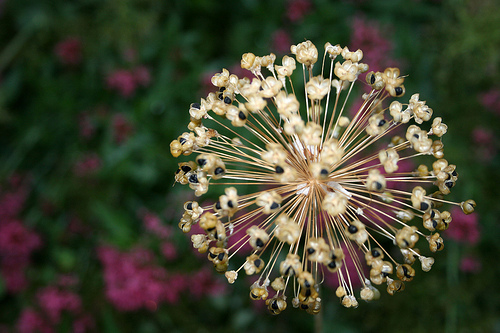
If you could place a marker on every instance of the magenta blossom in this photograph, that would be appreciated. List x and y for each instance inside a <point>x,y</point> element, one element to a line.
<point>463,228</point>
<point>54,301</point>
<point>69,51</point>
<point>368,36</point>
<point>297,9</point>
<point>281,41</point>
<point>470,264</point>
<point>31,321</point>
<point>491,100</point>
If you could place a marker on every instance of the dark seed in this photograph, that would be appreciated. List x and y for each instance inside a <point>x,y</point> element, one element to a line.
<point>182,141</point>
<point>221,89</point>
<point>454,173</point>
<point>230,204</point>
<point>324,172</point>
<point>433,214</point>
<point>352,229</point>
<point>227,100</point>
<point>304,306</point>
<point>332,264</point>
<point>382,122</point>
<point>398,91</point>
<point>434,223</point>
<point>424,206</point>
<point>449,184</point>
<point>372,79</point>
<point>177,171</point>
<point>217,205</point>
<point>257,262</point>
<point>274,305</point>
<point>193,178</point>
<point>218,171</point>
<point>274,205</point>
<point>189,206</point>
<point>378,186</point>
<point>186,168</point>
<point>213,256</point>
<point>438,244</point>
<point>202,161</point>
<point>196,106</point>
<point>375,253</point>
<point>242,115</point>
<point>259,242</point>
<point>221,256</point>
<point>308,292</point>
<point>279,170</point>
<point>310,250</point>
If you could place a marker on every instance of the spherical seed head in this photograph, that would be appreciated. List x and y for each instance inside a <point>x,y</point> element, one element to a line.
<point>305,187</point>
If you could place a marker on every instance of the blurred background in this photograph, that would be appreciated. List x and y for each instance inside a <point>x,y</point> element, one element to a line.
<point>93,91</point>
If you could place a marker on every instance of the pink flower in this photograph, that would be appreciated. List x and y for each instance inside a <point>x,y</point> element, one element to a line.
<point>123,81</point>
<point>368,36</point>
<point>85,125</point>
<point>297,9</point>
<point>463,228</point>
<point>16,240</point>
<point>491,100</point>
<point>132,280</point>
<point>281,41</point>
<point>87,165</point>
<point>13,274</point>
<point>470,264</point>
<point>142,76</point>
<point>484,140</point>
<point>69,51</point>
<point>31,321</point>
<point>169,250</point>
<point>122,128</point>
<point>54,301</point>
<point>204,283</point>
<point>153,223</point>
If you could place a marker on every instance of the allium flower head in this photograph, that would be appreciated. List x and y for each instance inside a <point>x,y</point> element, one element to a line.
<point>309,186</point>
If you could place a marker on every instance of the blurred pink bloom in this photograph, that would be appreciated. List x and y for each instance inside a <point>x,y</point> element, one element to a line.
<point>203,283</point>
<point>13,274</point>
<point>69,51</point>
<point>281,41</point>
<point>83,323</point>
<point>484,140</point>
<point>122,128</point>
<point>132,280</point>
<point>53,301</point>
<point>31,321</point>
<point>297,9</point>
<point>85,125</point>
<point>491,100</point>
<point>142,76</point>
<point>16,240</point>
<point>87,165</point>
<point>123,81</point>
<point>470,264</point>
<point>153,223</point>
<point>463,228</point>
<point>169,250</point>
<point>12,198</point>
<point>377,49</point>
